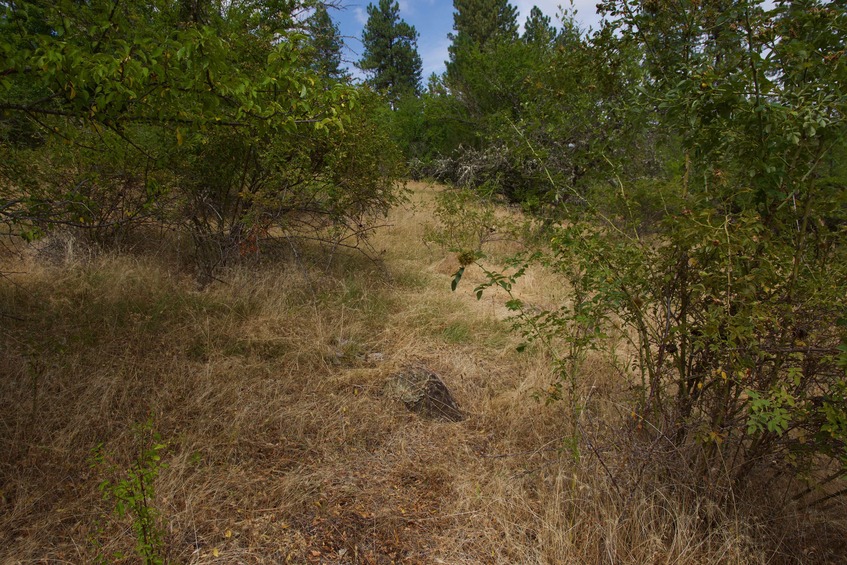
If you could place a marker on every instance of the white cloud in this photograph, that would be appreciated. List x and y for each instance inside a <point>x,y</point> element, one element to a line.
<point>360,14</point>
<point>433,54</point>
<point>411,7</point>
<point>406,8</point>
<point>586,11</point>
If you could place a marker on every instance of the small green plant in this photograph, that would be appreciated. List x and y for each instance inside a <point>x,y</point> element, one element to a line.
<point>467,223</point>
<point>566,335</point>
<point>133,494</point>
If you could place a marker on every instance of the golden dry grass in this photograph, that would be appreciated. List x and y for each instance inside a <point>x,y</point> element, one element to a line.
<point>281,446</point>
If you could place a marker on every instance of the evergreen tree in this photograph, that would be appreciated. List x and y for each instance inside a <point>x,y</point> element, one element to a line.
<point>327,43</point>
<point>538,30</point>
<point>477,72</point>
<point>479,22</point>
<point>480,26</point>
<point>391,54</point>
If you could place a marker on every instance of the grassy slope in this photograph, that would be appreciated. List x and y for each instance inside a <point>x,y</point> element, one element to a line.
<point>281,446</point>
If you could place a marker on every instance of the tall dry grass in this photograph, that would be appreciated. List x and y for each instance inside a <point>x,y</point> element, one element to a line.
<point>267,389</point>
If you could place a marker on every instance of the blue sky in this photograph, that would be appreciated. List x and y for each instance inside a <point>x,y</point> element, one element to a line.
<point>434,20</point>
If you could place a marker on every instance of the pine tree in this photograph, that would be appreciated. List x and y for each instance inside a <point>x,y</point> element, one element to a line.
<point>481,27</point>
<point>480,22</point>
<point>391,54</point>
<point>538,30</point>
<point>327,43</point>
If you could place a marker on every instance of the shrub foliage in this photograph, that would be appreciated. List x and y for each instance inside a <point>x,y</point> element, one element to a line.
<point>211,120</point>
<point>718,253</point>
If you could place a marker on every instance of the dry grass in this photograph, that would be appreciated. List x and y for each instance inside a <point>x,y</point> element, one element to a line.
<point>281,447</point>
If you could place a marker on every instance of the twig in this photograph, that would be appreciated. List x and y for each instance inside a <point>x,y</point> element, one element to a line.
<point>600,459</point>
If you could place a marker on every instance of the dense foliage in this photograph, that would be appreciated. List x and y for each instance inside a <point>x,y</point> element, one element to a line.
<point>212,120</point>
<point>695,153</point>
<point>480,22</point>
<point>513,111</point>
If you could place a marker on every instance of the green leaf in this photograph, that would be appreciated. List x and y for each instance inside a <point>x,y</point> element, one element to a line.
<point>456,278</point>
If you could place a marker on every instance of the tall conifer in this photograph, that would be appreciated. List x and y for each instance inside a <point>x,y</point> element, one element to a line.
<point>538,30</point>
<point>327,43</point>
<point>479,22</point>
<point>391,56</point>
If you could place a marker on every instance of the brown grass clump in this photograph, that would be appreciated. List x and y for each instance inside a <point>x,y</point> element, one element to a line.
<point>281,446</point>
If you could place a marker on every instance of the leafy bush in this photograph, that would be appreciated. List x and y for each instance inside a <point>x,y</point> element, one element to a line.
<point>732,301</point>
<point>117,114</point>
<point>468,222</point>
